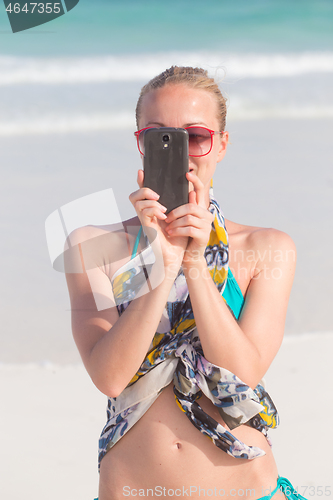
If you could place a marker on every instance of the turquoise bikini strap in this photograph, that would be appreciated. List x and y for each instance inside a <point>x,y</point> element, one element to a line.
<point>287,488</point>
<point>136,244</point>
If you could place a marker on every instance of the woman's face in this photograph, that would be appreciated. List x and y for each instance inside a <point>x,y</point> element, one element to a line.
<point>178,105</point>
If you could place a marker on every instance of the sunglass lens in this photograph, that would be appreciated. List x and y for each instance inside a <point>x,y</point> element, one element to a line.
<point>141,143</point>
<point>200,141</point>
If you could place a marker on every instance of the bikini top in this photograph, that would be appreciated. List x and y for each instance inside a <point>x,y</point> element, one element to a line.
<point>175,355</point>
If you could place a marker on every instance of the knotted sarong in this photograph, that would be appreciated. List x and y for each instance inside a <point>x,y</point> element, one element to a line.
<point>176,356</point>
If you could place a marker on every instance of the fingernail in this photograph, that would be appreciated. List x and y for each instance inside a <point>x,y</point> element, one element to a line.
<point>163,208</point>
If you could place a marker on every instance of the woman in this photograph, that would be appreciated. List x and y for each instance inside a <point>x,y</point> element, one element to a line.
<point>215,349</point>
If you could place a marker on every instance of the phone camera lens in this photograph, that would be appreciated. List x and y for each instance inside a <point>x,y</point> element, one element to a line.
<point>166,138</point>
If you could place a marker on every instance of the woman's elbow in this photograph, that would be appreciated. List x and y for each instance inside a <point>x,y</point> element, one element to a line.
<point>110,388</point>
<point>110,384</point>
<point>251,373</point>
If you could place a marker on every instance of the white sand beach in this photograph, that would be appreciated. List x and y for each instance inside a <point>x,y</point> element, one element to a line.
<point>52,416</point>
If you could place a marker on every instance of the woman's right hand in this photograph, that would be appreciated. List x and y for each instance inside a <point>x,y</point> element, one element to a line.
<point>152,215</point>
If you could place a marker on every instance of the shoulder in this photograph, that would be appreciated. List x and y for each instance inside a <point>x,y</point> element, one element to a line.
<point>92,255</point>
<point>261,247</point>
<point>269,240</point>
<point>259,238</point>
<point>95,246</point>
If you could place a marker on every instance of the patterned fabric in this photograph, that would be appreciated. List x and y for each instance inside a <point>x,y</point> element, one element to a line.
<point>176,355</point>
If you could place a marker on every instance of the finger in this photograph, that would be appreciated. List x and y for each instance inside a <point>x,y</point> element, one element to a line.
<point>140,178</point>
<point>183,210</point>
<point>143,204</point>
<point>192,197</point>
<point>198,188</point>
<point>143,193</point>
<point>187,220</point>
<point>151,212</point>
<point>190,231</point>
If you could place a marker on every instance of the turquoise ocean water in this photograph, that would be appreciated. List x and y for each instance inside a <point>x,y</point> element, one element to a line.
<point>83,71</point>
<point>132,27</point>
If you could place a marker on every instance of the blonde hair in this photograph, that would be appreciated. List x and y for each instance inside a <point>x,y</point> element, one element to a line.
<point>193,77</point>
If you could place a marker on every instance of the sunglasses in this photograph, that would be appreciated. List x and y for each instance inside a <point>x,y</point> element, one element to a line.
<point>200,140</point>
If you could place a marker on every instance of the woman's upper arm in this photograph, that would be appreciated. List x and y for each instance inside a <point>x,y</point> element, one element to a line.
<point>93,308</point>
<point>89,324</point>
<point>264,312</point>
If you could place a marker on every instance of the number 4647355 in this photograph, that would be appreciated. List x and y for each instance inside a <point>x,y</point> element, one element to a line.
<point>48,8</point>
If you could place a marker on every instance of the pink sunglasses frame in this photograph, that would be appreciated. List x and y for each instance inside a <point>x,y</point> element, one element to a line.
<point>212,133</point>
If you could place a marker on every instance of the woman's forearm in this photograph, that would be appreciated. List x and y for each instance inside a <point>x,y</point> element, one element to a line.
<point>117,356</point>
<point>223,341</point>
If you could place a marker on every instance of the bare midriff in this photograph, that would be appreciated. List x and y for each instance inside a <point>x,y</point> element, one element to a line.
<point>164,451</point>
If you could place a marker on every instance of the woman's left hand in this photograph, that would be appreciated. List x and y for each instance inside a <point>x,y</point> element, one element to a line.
<point>193,220</point>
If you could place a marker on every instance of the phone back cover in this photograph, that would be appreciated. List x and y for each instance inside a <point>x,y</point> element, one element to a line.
<point>165,167</point>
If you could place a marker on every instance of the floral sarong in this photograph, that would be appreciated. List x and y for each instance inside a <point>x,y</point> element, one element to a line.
<point>176,355</point>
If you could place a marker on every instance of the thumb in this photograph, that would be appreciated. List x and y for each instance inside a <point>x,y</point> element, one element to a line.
<point>192,198</point>
<point>140,177</point>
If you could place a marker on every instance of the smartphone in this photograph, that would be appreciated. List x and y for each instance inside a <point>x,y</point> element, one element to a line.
<point>165,164</point>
